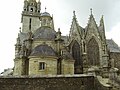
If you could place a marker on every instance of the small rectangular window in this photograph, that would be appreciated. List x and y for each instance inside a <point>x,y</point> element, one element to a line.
<point>41,65</point>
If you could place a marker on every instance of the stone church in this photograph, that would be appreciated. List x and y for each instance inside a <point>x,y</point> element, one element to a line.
<point>42,50</point>
<point>47,60</point>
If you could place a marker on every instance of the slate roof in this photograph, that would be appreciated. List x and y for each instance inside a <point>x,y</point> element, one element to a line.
<point>7,72</point>
<point>43,50</point>
<point>112,46</point>
<point>23,36</point>
<point>45,33</point>
<point>45,14</point>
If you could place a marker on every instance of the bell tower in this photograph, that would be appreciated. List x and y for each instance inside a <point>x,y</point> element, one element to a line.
<point>30,15</point>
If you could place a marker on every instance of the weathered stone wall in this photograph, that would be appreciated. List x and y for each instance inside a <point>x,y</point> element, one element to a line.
<point>47,83</point>
<point>99,86</point>
<point>35,23</point>
<point>50,66</point>
<point>116,57</point>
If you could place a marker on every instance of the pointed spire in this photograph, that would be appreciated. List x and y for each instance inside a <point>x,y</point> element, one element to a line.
<point>59,32</point>
<point>91,13</point>
<point>91,16</point>
<point>52,23</point>
<point>23,50</point>
<point>17,46</point>
<point>74,17</point>
<point>18,40</point>
<point>102,29</point>
<point>102,21</point>
<point>92,21</point>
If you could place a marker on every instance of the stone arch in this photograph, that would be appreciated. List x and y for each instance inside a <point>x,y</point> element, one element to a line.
<point>93,52</point>
<point>76,53</point>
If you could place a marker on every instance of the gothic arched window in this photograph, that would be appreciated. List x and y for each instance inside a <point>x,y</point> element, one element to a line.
<point>93,52</point>
<point>76,56</point>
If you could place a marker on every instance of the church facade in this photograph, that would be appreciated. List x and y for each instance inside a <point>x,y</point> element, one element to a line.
<point>40,50</point>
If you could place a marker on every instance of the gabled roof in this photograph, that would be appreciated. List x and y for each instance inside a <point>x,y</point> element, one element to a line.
<point>74,25</point>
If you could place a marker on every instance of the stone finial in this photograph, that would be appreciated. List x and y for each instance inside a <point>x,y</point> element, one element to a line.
<point>59,32</point>
<point>91,10</point>
<point>58,29</point>
<point>101,21</point>
<point>18,40</point>
<point>20,29</point>
<point>45,9</point>
<point>74,15</point>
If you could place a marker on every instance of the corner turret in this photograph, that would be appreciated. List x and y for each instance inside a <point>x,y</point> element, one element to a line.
<point>46,20</point>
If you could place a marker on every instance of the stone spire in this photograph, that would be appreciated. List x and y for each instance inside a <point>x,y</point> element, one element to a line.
<point>74,16</point>
<point>91,19</point>
<point>101,21</point>
<point>102,29</point>
<point>58,41</point>
<point>18,40</point>
<point>17,46</point>
<point>23,49</point>
<point>75,28</point>
<point>52,23</point>
<point>91,15</point>
<point>29,42</point>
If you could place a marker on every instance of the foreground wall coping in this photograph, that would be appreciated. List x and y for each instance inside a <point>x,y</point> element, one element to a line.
<point>48,76</point>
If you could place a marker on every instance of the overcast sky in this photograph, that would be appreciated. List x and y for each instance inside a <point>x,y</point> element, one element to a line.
<point>62,10</point>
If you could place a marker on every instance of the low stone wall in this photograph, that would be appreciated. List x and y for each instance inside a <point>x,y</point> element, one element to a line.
<point>99,86</point>
<point>61,82</point>
<point>78,82</point>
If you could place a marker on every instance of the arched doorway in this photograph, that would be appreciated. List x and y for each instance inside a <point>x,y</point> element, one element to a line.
<point>77,57</point>
<point>93,52</point>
